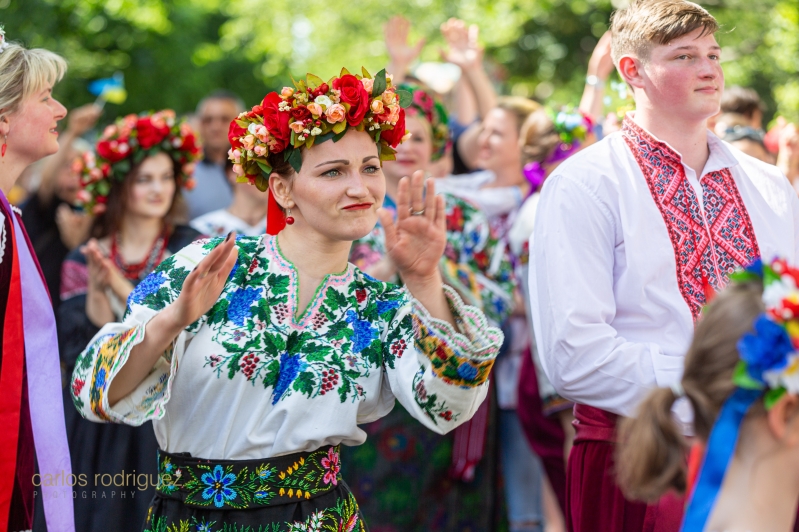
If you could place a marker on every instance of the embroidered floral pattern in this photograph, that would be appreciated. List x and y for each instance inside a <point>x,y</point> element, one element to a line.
<point>707,248</point>
<point>467,261</point>
<point>344,516</point>
<point>232,485</point>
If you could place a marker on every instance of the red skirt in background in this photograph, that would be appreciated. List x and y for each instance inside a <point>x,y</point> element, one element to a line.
<point>594,501</point>
<point>545,434</point>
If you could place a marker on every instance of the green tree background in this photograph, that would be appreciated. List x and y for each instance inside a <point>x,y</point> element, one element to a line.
<point>173,52</point>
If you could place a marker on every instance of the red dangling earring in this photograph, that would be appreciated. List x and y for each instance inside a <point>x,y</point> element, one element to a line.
<point>5,145</point>
<point>289,218</point>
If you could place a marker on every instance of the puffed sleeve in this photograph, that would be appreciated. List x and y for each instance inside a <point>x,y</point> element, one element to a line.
<point>110,348</point>
<point>439,372</point>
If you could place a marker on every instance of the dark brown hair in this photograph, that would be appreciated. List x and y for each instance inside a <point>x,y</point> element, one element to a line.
<point>741,101</point>
<point>652,445</point>
<point>110,221</point>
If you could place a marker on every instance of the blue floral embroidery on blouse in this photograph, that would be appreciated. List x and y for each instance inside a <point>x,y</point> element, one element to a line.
<point>100,382</point>
<point>385,306</point>
<point>147,287</point>
<point>240,302</point>
<point>365,333</point>
<point>218,489</point>
<point>290,367</point>
<point>467,372</point>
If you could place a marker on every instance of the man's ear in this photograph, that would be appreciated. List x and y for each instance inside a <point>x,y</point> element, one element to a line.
<point>281,188</point>
<point>631,70</point>
<point>783,419</point>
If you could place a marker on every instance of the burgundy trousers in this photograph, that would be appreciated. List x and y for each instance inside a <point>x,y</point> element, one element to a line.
<point>594,501</point>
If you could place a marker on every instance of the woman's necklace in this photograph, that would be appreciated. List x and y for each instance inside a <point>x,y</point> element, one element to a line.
<point>137,272</point>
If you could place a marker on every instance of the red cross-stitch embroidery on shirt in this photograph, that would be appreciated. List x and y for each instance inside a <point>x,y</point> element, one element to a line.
<point>703,251</point>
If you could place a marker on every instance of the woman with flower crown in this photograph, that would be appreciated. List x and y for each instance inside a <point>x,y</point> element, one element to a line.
<point>31,414</point>
<point>397,455</point>
<point>257,357</point>
<point>741,379</point>
<point>133,188</point>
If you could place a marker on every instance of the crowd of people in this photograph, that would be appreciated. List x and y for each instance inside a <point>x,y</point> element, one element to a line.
<point>362,304</point>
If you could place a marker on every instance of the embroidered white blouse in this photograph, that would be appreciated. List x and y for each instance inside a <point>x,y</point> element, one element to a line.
<point>251,379</point>
<point>620,257</point>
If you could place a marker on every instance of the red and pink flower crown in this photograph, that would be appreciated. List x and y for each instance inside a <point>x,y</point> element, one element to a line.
<point>313,112</point>
<point>128,142</point>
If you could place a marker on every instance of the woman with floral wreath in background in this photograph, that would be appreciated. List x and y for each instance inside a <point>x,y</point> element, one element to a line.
<point>406,477</point>
<point>133,187</point>
<point>263,354</point>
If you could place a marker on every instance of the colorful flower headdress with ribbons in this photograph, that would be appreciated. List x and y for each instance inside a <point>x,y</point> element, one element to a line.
<point>3,42</point>
<point>311,112</point>
<point>425,103</point>
<point>573,127</point>
<point>768,369</point>
<point>127,143</point>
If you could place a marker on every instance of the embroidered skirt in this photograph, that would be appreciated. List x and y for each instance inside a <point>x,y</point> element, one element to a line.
<point>292,493</point>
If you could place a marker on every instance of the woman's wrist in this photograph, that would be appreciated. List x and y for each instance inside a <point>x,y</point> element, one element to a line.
<point>423,284</point>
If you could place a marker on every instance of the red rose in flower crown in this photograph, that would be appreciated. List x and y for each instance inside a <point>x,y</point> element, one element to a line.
<point>129,141</point>
<point>276,122</point>
<point>354,94</point>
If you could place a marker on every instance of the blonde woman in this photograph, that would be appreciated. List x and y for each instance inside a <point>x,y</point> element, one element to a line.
<point>31,409</point>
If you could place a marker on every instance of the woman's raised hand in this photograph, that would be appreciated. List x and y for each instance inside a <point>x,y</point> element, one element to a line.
<point>416,240</point>
<point>202,287</point>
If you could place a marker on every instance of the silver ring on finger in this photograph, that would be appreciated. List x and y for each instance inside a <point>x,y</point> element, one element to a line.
<point>416,213</point>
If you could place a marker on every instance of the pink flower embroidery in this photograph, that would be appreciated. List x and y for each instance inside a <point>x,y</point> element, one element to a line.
<point>332,467</point>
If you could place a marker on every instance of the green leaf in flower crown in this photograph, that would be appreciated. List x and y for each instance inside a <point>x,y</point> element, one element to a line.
<point>266,170</point>
<point>344,72</point>
<point>741,378</point>
<point>287,154</point>
<point>405,98</point>
<point>139,156</point>
<point>386,152</point>
<point>313,81</point>
<point>365,73</point>
<point>103,187</point>
<point>261,183</point>
<point>742,276</point>
<point>769,275</point>
<point>772,396</point>
<point>339,127</point>
<point>379,86</point>
<point>327,136</point>
<point>295,159</point>
<point>123,167</point>
<point>339,135</point>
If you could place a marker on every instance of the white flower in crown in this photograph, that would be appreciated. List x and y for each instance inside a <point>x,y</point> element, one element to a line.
<point>787,377</point>
<point>323,100</point>
<point>776,291</point>
<point>3,43</point>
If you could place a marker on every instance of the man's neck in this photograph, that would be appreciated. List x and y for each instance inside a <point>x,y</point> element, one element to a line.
<point>216,156</point>
<point>247,207</point>
<point>688,138</point>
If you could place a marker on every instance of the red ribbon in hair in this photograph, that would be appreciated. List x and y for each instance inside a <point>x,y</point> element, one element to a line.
<point>275,218</point>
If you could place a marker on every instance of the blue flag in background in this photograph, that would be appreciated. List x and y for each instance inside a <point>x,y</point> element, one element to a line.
<point>110,89</point>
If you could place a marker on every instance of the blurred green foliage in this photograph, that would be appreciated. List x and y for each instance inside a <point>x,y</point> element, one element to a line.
<point>173,52</point>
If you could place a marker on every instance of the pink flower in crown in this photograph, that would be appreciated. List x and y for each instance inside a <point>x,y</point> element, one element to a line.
<point>336,113</point>
<point>260,150</point>
<point>262,133</point>
<point>287,92</point>
<point>315,109</point>
<point>377,107</point>
<point>248,141</point>
<point>423,100</point>
<point>297,127</point>
<point>368,84</point>
<point>238,169</point>
<point>332,467</point>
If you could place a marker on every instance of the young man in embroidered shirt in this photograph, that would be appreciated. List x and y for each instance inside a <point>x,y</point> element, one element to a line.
<point>631,232</point>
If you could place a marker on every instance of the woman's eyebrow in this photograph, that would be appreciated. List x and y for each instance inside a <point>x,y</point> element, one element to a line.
<point>340,161</point>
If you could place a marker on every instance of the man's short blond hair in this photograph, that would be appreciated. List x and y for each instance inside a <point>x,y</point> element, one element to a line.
<point>647,23</point>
